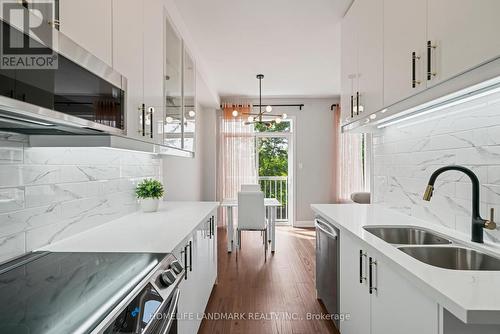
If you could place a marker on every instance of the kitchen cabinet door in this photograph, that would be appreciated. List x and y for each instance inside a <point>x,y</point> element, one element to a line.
<point>173,87</point>
<point>154,50</point>
<point>404,34</point>
<point>89,23</point>
<point>370,55</point>
<point>465,34</point>
<point>128,60</point>
<point>354,296</point>
<point>189,101</point>
<point>349,62</point>
<point>189,301</point>
<point>397,305</point>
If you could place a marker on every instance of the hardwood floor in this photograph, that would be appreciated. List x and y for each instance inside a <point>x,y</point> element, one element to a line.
<point>272,297</point>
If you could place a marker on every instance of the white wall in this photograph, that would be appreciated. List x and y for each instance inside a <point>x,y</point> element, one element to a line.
<point>405,156</point>
<point>314,148</point>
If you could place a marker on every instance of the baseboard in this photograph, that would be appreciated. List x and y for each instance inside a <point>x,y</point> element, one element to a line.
<point>304,223</point>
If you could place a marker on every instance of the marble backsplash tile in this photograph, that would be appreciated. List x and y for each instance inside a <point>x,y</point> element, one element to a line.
<point>47,194</point>
<point>405,155</point>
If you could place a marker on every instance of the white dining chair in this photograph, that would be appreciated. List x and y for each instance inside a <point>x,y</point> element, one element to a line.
<point>252,215</point>
<point>250,187</point>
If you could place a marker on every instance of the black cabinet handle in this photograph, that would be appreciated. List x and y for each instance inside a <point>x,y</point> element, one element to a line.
<point>360,266</point>
<point>210,227</point>
<point>352,106</point>
<point>357,103</point>
<point>185,262</point>
<point>143,110</point>
<point>371,263</point>
<point>430,74</point>
<point>151,113</point>
<point>414,81</point>
<point>190,245</point>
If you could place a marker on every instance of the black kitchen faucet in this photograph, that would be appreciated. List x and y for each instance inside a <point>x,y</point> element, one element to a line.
<point>478,223</point>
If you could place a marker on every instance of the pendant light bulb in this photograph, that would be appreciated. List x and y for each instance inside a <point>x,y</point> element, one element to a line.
<point>191,113</point>
<point>235,113</point>
<point>269,109</point>
<point>278,120</point>
<point>169,119</point>
<point>284,116</point>
<point>250,119</point>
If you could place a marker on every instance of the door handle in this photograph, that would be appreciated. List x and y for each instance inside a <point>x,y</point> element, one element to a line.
<point>357,103</point>
<point>362,256</point>
<point>371,264</point>
<point>142,109</point>
<point>352,106</point>
<point>185,262</point>
<point>210,227</point>
<point>414,81</point>
<point>190,245</point>
<point>172,310</point>
<point>151,113</point>
<point>430,73</point>
<point>325,229</point>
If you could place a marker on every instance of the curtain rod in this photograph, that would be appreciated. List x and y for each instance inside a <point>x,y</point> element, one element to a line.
<point>300,106</point>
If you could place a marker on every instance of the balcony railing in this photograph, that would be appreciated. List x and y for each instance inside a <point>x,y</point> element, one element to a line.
<point>276,187</point>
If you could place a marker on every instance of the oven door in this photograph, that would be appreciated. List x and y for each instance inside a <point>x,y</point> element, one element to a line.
<point>148,313</point>
<point>168,325</point>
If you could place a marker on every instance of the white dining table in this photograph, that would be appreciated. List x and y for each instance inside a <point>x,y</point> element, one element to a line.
<point>271,205</point>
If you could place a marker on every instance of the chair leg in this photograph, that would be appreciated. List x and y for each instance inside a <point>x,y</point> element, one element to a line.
<point>265,246</point>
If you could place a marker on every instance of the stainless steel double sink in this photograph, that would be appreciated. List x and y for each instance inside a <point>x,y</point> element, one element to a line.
<point>431,248</point>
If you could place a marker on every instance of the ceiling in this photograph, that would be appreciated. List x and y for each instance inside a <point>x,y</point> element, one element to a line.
<point>294,43</point>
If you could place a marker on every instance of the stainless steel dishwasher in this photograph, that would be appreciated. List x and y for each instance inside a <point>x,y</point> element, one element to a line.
<point>327,265</point>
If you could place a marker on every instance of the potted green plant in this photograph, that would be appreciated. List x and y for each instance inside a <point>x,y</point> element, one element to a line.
<point>149,193</point>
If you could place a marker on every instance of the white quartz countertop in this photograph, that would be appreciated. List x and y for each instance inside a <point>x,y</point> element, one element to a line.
<point>156,232</point>
<point>472,296</point>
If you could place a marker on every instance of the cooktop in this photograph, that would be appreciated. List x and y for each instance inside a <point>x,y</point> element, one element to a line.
<point>67,292</point>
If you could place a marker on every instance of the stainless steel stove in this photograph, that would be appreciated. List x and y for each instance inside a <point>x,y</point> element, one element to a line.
<point>90,293</point>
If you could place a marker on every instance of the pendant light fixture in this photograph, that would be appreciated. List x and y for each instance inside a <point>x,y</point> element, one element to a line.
<point>259,117</point>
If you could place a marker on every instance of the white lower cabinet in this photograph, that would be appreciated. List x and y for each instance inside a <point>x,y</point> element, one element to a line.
<point>385,304</point>
<point>196,254</point>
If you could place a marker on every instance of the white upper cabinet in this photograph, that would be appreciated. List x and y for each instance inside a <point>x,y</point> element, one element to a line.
<point>404,46</point>
<point>349,63</point>
<point>361,69</point>
<point>370,56</point>
<point>464,33</point>
<point>89,23</point>
<point>128,59</point>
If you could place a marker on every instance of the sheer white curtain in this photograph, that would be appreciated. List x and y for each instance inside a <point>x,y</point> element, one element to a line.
<point>351,159</point>
<point>237,163</point>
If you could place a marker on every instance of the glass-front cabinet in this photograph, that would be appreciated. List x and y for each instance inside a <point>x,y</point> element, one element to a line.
<point>180,93</point>
<point>189,102</point>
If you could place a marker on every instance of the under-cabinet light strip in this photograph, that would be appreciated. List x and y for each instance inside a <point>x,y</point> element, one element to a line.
<point>469,94</point>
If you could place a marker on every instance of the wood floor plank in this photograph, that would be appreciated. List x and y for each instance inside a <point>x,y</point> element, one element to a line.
<point>274,296</point>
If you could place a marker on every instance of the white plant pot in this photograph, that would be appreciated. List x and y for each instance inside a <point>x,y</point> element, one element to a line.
<point>150,204</point>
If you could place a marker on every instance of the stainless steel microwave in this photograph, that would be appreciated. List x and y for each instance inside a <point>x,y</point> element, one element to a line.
<point>81,95</point>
